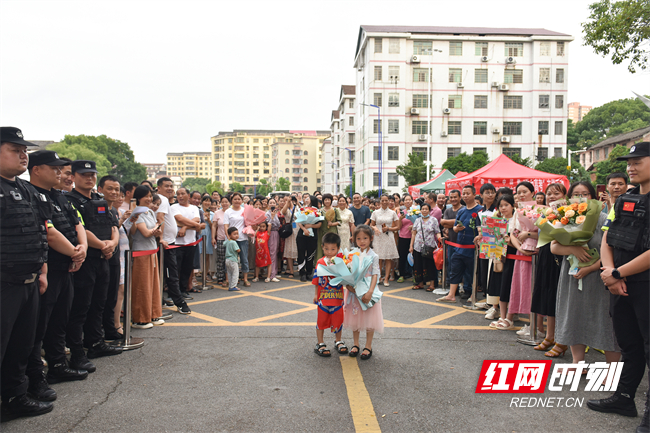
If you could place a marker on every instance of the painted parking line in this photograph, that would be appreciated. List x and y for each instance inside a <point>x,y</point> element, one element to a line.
<point>363,413</point>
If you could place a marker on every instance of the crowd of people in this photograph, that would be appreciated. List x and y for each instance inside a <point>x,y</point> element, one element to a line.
<point>73,299</point>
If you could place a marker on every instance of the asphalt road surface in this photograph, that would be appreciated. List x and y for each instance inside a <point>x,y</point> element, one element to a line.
<point>245,362</point>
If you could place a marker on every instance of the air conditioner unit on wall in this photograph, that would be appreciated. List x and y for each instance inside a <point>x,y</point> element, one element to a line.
<point>446,110</point>
<point>495,130</point>
<point>422,137</point>
<point>415,59</point>
<point>505,139</point>
<point>495,84</point>
<point>460,85</point>
<point>510,60</point>
<point>484,59</point>
<point>503,87</point>
<point>415,111</point>
<point>443,134</point>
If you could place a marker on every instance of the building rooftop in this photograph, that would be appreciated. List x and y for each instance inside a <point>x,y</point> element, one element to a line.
<point>271,132</point>
<point>637,133</point>
<point>348,90</point>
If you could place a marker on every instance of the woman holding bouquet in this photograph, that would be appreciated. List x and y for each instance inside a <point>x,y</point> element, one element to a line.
<point>347,223</point>
<point>582,316</point>
<point>547,275</point>
<point>289,211</point>
<point>384,243</point>
<point>306,242</point>
<point>330,225</point>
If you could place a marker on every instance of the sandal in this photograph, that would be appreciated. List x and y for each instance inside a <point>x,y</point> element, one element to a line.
<point>430,289</point>
<point>364,356</point>
<point>341,347</point>
<point>545,345</point>
<point>446,299</point>
<point>505,325</point>
<point>322,350</point>
<point>557,351</point>
<point>255,280</point>
<point>353,353</point>
<point>400,280</point>
<point>417,287</point>
<point>194,290</point>
<point>247,284</point>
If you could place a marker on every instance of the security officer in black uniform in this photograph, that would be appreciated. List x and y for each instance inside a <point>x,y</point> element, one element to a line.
<point>24,223</point>
<point>45,174</point>
<point>91,281</point>
<point>625,256</point>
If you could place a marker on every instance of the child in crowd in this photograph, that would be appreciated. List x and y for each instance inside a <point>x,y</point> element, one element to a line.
<point>155,203</point>
<point>262,254</point>
<point>232,258</point>
<point>329,300</point>
<point>355,318</point>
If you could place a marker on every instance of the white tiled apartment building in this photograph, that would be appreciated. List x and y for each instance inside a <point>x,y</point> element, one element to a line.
<point>341,151</point>
<point>453,90</point>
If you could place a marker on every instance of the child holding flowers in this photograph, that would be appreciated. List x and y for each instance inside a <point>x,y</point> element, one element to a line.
<point>355,317</point>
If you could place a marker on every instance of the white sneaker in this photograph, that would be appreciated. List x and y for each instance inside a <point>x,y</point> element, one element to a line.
<point>158,322</point>
<point>267,281</point>
<point>275,280</point>
<point>482,305</point>
<point>492,313</point>
<point>524,331</point>
<point>142,325</point>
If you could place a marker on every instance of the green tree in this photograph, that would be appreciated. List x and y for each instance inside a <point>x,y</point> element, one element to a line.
<point>572,137</point>
<point>622,28</point>
<point>466,163</point>
<point>559,166</point>
<point>611,165</point>
<point>237,187</point>
<point>77,151</point>
<point>264,188</point>
<point>249,190</point>
<point>349,193</point>
<point>196,184</point>
<point>527,162</point>
<point>611,119</point>
<point>372,193</point>
<point>215,186</point>
<point>119,154</point>
<point>415,170</point>
<point>283,184</point>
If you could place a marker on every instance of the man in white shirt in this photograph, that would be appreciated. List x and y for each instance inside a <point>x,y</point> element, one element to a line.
<point>189,221</point>
<point>170,229</point>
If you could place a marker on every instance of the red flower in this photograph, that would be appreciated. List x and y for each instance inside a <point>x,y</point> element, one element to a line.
<point>302,209</point>
<point>474,215</point>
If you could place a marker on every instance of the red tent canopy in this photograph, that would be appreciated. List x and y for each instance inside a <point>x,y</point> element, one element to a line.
<point>503,171</point>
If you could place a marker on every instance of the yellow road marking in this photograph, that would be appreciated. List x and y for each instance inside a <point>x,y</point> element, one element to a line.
<point>289,301</point>
<point>437,304</point>
<point>363,413</point>
<point>276,316</point>
<point>438,318</point>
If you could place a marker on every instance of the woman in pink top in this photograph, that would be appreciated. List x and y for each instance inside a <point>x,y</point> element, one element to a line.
<point>404,241</point>
<point>218,238</point>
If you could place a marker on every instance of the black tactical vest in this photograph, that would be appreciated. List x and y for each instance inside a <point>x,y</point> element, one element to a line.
<point>62,218</point>
<point>23,235</point>
<point>96,216</point>
<point>629,230</point>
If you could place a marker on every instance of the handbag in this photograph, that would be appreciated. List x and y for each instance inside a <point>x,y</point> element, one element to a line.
<point>498,265</point>
<point>287,229</point>
<point>427,251</point>
<point>438,257</point>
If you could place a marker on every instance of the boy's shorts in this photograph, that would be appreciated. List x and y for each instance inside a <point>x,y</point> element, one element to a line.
<point>330,317</point>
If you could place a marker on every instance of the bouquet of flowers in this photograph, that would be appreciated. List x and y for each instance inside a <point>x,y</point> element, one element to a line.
<point>350,268</point>
<point>252,217</point>
<point>308,215</point>
<point>527,214</point>
<point>413,213</point>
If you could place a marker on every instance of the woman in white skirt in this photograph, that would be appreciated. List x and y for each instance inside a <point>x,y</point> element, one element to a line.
<point>383,244</point>
<point>290,249</point>
<point>347,223</point>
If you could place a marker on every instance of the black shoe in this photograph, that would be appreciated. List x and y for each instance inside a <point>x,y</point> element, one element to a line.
<point>39,389</point>
<point>465,295</point>
<point>183,308</point>
<point>618,403</point>
<point>644,427</point>
<point>109,338</point>
<point>303,278</point>
<point>62,373</point>
<point>186,296</point>
<point>79,361</point>
<point>100,349</point>
<point>166,316</point>
<point>22,405</point>
<point>168,302</point>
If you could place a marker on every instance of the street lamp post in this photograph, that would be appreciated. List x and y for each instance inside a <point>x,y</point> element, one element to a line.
<point>380,143</point>
<point>430,103</point>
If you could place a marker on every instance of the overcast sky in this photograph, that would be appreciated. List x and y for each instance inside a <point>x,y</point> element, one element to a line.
<point>165,76</point>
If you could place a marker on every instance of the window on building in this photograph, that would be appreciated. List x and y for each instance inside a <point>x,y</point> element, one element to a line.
<point>480,150</point>
<point>286,152</point>
<point>453,152</point>
<point>560,48</point>
<point>455,48</point>
<point>393,99</point>
<point>559,101</point>
<point>305,171</point>
<point>377,99</point>
<point>422,47</point>
<point>515,49</point>
<point>304,179</point>
<point>378,45</point>
<point>543,101</point>
<point>454,127</point>
<point>378,71</point>
<point>351,138</point>
<point>455,75</point>
<point>256,163</point>
<point>480,48</point>
<point>375,153</point>
<point>559,75</point>
<point>393,126</point>
<point>542,153</point>
<point>419,127</point>
<point>266,140</point>
<point>512,151</point>
<point>375,126</point>
<point>511,128</point>
<point>559,127</point>
<point>454,101</point>
<point>420,101</point>
<point>306,161</point>
<point>480,76</point>
<point>480,101</point>
<point>515,76</point>
<point>286,170</point>
<point>393,73</point>
<point>286,161</point>
<point>542,127</point>
<point>393,46</point>
<point>393,153</point>
<point>393,179</point>
<point>420,75</point>
<point>557,152</point>
<point>375,179</point>
<point>544,48</point>
<point>480,128</point>
<point>363,156</point>
<point>544,75</point>
<point>514,102</point>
